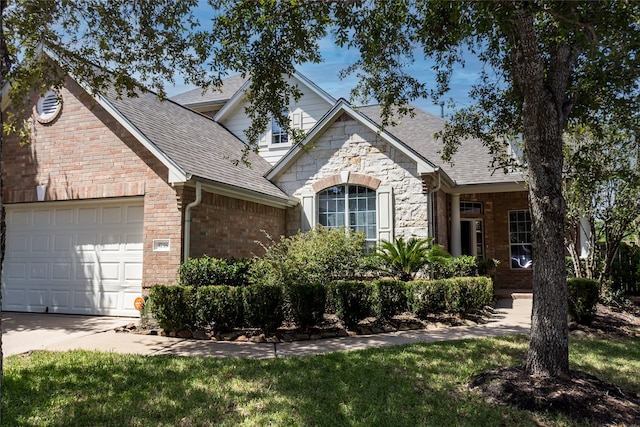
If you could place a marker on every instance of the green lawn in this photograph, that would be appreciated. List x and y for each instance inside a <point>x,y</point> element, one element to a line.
<point>415,385</point>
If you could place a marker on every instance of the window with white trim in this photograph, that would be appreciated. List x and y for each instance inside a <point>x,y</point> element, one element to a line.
<point>278,134</point>
<point>351,206</point>
<point>520,239</point>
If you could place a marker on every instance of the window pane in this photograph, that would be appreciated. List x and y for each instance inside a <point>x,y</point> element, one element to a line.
<point>520,239</point>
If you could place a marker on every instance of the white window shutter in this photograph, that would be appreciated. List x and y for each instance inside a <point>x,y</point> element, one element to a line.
<point>384,195</point>
<point>309,211</point>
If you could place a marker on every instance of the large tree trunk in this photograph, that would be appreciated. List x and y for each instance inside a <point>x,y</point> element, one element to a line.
<point>543,83</point>
<point>5,65</point>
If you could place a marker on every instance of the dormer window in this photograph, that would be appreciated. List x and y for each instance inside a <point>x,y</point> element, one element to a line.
<point>48,107</point>
<point>278,134</point>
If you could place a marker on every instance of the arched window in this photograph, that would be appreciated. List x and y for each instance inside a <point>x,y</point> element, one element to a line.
<point>352,206</point>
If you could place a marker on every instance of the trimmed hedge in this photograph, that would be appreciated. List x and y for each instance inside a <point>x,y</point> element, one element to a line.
<point>458,295</point>
<point>173,306</point>
<point>220,307</point>
<point>390,298</point>
<point>353,300</point>
<point>263,306</point>
<point>306,303</point>
<point>582,297</point>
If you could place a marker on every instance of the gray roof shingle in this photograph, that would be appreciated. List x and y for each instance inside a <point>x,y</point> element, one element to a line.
<point>220,95</point>
<point>472,162</point>
<point>195,143</point>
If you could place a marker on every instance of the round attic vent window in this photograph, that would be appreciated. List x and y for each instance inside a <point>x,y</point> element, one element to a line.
<point>48,107</point>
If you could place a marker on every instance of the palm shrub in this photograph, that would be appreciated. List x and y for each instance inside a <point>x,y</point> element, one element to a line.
<point>404,259</point>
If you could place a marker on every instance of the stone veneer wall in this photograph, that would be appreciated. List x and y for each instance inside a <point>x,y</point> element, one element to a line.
<point>349,146</point>
<point>85,154</point>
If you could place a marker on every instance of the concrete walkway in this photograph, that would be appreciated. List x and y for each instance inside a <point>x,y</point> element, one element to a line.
<point>23,332</point>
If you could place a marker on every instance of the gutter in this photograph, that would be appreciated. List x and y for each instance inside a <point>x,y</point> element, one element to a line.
<point>187,221</point>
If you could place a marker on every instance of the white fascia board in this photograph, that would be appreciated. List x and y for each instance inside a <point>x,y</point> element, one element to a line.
<point>237,98</point>
<point>498,187</point>
<point>247,195</point>
<point>342,106</point>
<point>314,88</point>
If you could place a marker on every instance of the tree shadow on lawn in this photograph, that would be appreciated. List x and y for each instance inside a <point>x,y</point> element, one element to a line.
<point>420,384</point>
<point>407,385</point>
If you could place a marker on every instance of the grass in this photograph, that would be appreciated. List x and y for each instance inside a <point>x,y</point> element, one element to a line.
<point>420,384</point>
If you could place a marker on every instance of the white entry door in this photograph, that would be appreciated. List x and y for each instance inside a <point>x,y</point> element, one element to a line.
<point>73,257</point>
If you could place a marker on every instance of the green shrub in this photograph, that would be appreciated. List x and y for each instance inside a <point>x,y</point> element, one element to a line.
<point>353,300</point>
<point>426,297</point>
<point>321,255</point>
<point>625,269</point>
<point>263,306</point>
<point>459,295</point>
<point>207,271</point>
<point>307,303</point>
<point>465,295</point>
<point>582,297</point>
<point>172,306</point>
<point>391,298</point>
<point>219,306</point>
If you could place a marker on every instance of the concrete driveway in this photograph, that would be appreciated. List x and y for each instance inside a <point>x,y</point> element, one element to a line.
<point>22,332</point>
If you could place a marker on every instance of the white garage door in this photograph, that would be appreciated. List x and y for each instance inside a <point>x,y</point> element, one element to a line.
<point>73,257</point>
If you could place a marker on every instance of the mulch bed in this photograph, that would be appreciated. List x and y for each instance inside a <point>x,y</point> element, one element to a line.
<point>580,396</point>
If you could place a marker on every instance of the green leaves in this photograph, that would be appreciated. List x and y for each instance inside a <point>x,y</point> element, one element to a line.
<point>403,259</point>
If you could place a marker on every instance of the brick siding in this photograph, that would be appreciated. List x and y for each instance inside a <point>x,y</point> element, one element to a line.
<point>223,227</point>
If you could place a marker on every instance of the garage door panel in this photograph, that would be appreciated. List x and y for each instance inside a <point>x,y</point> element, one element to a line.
<point>13,299</point>
<point>110,271</point>
<point>133,272</point>
<point>134,214</point>
<point>63,217</point>
<point>41,218</point>
<point>37,298</point>
<point>40,243</point>
<point>20,244</point>
<point>87,216</point>
<point>60,299</point>
<point>63,243</point>
<point>74,257</point>
<point>133,243</point>
<point>15,270</point>
<point>38,270</point>
<point>62,271</point>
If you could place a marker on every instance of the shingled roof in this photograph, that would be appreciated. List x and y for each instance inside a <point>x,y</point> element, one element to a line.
<point>472,162</point>
<point>195,143</point>
<point>220,95</point>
